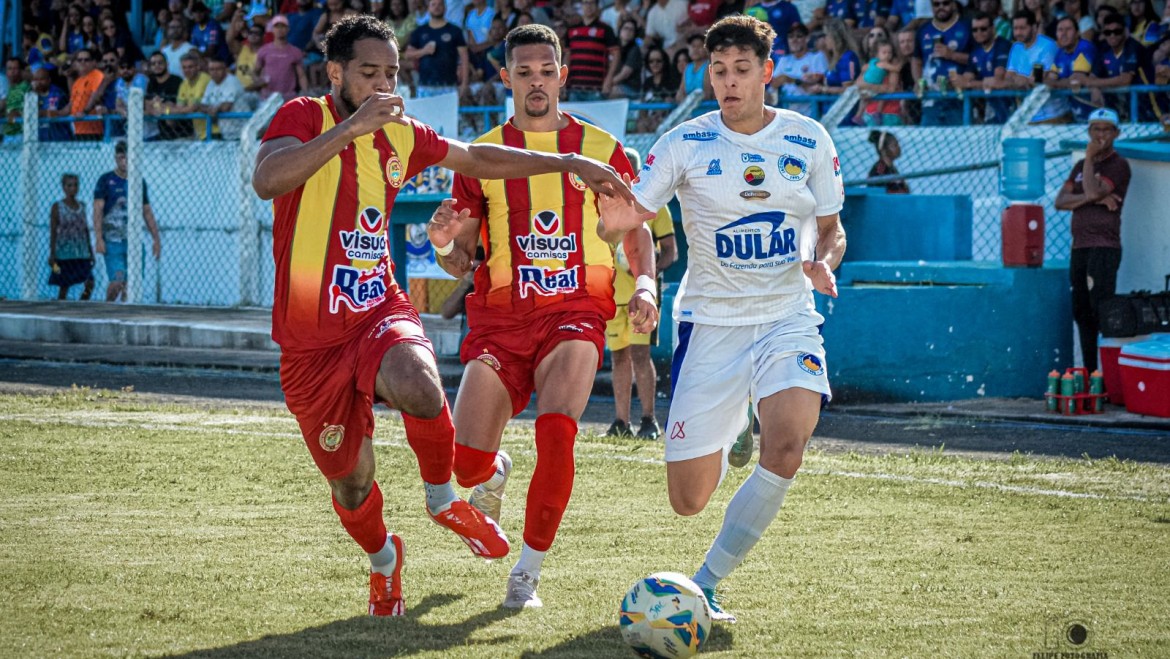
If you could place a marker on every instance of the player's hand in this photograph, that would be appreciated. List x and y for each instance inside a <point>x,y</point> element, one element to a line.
<point>1111,202</point>
<point>603,179</point>
<point>823,279</point>
<point>99,246</point>
<point>377,111</point>
<point>620,213</point>
<point>643,310</point>
<point>446,224</point>
<point>156,249</point>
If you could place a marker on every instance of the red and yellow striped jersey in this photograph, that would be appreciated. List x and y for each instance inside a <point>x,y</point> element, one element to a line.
<point>329,236</point>
<point>542,251</point>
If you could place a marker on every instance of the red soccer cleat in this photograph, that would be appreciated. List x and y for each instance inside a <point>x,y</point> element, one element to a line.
<point>482,535</point>
<point>386,592</point>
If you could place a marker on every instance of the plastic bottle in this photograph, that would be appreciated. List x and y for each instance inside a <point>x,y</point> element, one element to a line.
<point>1066,390</point>
<point>1097,386</point>
<point>1053,390</point>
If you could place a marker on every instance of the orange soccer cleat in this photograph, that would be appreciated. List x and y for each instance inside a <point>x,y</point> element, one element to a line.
<point>482,535</point>
<point>386,592</point>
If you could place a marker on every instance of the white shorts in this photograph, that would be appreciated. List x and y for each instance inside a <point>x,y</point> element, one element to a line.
<point>716,369</point>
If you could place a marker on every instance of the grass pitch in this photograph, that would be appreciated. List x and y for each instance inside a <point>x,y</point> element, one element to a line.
<point>131,528</point>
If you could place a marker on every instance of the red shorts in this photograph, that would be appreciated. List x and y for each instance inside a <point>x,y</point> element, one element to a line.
<point>331,390</point>
<point>514,349</point>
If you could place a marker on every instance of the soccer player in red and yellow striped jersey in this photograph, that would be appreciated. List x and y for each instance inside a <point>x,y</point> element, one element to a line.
<point>542,297</point>
<point>348,335</point>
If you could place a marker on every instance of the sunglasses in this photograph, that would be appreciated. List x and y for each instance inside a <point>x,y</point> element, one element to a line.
<point>980,29</point>
<point>1112,33</point>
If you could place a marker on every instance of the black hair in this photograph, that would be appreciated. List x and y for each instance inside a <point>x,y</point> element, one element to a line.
<point>879,139</point>
<point>18,61</point>
<point>345,33</point>
<point>527,35</point>
<point>1026,15</point>
<point>70,176</point>
<point>120,147</point>
<point>1070,19</point>
<point>798,27</point>
<point>983,16</point>
<point>741,31</point>
<point>1113,19</point>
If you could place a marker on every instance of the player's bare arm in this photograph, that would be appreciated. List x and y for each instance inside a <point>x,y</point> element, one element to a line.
<point>638,244</point>
<point>619,215</point>
<point>285,163</point>
<point>830,251</point>
<point>491,161</point>
<point>448,226</point>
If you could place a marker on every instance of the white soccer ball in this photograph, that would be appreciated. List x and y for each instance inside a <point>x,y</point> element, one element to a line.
<point>619,258</point>
<point>665,615</point>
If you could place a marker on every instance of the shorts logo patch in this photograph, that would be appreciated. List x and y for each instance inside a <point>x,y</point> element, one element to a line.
<point>810,364</point>
<point>489,359</point>
<point>331,437</point>
<point>679,430</point>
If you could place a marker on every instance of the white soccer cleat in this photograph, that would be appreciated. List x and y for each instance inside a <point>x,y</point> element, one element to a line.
<point>489,500</point>
<point>522,591</point>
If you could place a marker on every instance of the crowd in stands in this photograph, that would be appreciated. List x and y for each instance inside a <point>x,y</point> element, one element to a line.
<point>215,56</point>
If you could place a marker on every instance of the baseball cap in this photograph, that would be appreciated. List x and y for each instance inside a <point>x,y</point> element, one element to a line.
<point>279,19</point>
<point>1104,115</point>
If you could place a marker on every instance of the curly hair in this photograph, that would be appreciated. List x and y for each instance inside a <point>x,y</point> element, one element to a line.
<point>345,33</point>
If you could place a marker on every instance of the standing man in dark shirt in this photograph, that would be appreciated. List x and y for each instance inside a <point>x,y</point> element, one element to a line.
<point>441,53</point>
<point>593,56</point>
<point>1095,192</point>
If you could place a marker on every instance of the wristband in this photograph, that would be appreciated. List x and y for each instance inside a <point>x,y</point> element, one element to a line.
<point>646,283</point>
<point>445,250</point>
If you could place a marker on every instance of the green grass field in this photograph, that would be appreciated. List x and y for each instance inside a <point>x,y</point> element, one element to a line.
<point>131,528</point>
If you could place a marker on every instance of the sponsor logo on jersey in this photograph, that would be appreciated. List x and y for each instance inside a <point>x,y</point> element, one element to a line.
<point>755,194</point>
<point>756,241</point>
<point>571,328</point>
<point>810,364</point>
<point>700,136</point>
<point>361,246</point>
<point>546,223</point>
<point>807,142</point>
<point>359,290</point>
<point>384,326</point>
<point>536,246</point>
<point>331,437</point>
<point>371,220</point>
<point>792,168</point>
<point>714,169</point>
<point>751,157</point>
<point>754,175</point>
<point>545,281</point>
<point>836,166</point>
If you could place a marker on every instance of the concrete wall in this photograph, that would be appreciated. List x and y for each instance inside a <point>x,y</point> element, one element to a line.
<point>1145,219</point>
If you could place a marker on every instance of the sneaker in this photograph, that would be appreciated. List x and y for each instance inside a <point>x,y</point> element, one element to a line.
<point>717,612</point>
<point>488,500</point>
<point>741,451</point>
<point>482,535</point>
<point>619,428</point>
<point>649,428</point>
<point>522,591</point>
<point>386,592</point>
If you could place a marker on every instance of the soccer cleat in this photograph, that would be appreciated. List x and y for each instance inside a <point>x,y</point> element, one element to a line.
<point>522,591</point>
<point>481,534</point>
<point>741,451</point>
<point>488,500</point>
<point>619,428</point>
<point>649,428</point>
<point>717,612</point>
<point>386,592</point>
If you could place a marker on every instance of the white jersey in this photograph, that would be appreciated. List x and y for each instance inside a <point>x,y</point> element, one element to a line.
<point>749,208</point>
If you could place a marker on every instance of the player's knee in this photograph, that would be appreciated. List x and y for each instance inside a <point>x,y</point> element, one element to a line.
<point>783,455</point>
<point>687,503</point>
<point>352,489</point>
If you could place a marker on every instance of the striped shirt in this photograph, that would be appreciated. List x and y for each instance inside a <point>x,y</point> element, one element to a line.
<point>589,51</point>
<point>542,251</point>
<point>329,235</point>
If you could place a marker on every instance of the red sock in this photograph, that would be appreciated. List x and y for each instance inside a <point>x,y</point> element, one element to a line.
<point>552,480</point>
<point>473,466</point>
<point>433,443</point>
<point>365,524</point>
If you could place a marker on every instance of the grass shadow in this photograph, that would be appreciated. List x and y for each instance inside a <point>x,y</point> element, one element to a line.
<point>607,642</point>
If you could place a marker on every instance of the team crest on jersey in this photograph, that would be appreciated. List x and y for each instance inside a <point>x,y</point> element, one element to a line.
<point>713,169</point>
<point>792,168</point>
<point>806,142</point>
<point>546,281</point>
<point>577,182</point>
<point>751,157</point>
<point>754,175</point>
<point>810,364</point>
<point>331,437</point>
<point>394,171</point>
<point>359,290</point>
<point>755,242</point>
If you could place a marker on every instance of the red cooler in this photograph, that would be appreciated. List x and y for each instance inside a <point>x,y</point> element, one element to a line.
<point>1023,236</point>
<point>1145,375</point>
<point>1108,351</point>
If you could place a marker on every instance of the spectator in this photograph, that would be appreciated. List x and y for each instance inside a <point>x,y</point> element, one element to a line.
<point>943,45</point>
<point>1143,22</point>
<point>1118,62</point>
<point>109,89</point>
<point>128,78</point>
<point>1071,67</point>
<point>13,104</point>
<point>1078,10</point>
<point>84,95</point>
<point>207,35</point>
<point>246,60</point>
<point>872,37</point>
<point>71,39</point>
<point>695,75</point>
<point>593,56</point>
<point>988,69</point>
<point>881,76</point>
<point>628,81</point>
<point>489,89</point>
<point>279,64</point>
<point>798,72</point>
<point>1095,193</point>
<point>89,31</point>
<point>335,10</point>
<point>621,11</point>
<point>538,14</point>
<point>781,15</point>
<point>732,7</point>
<point>176,45</point>
<point>440,51</point>
<point>907,40</point>
<point>1162,29</point>
<point>159,36</point>
<point>114,39</point>
<point>302,25</point>
<point>70,253</point>
<point>161,94</point>
<point>190,95</point>
<point>1040,11</point>
<point>477,30</point>
<point>679,64</point>
<point>1001,23</point>
<point>658,85</point>
<point>841,57</point>
<point>1031,55</point>
<point>701,14</point>
<point>663,21</point>
<point>888,150</point>
<point>110,213</point>
<point>399,16</point>
<point>841,10</point>
<point>222,94</point>
<point>52,103</point>
<point>865,14</point>
<point>902,14</point>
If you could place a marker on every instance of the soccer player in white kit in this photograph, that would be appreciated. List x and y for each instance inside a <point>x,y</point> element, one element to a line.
<point>761,192</point>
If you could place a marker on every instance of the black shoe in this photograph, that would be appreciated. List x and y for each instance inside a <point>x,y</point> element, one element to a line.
<point>649,428</point>
<point>619,428</point>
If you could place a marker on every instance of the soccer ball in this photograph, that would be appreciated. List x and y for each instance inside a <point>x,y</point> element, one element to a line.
<point>665,615</point>
<point>619,258</point>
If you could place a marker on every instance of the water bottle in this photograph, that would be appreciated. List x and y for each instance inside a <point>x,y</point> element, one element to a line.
<point>1066,390</point>
<point>1097,386</point>
<point>1053,390</point>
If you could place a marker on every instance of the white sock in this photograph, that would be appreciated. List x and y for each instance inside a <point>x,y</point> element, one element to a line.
<point>751,510</point>
<point>384,561</point>
<point>530,561</point>
<point>497,478</point>
<point>439,497</point>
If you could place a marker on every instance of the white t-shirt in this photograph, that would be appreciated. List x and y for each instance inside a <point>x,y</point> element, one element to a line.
<point>796,68</point>
<point>749,208</point>
<point>663,21</point>
<point>175,55</point>
<point>228,91</point>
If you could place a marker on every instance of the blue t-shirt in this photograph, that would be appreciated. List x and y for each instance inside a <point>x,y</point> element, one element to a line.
<point>846,70</point>
<point>55,99</point>
<point>111,189</point>
<point>864,12</point>
<point>210,39</point>
<point>300,27</point>
<point>781,15</point>
<point>1023,59</point>
<point>440,69</point>
<point>1110,64</point>
<point>904,10</point>
<point>983,64</point>
<point>840,9</point>
<point>957,37</point>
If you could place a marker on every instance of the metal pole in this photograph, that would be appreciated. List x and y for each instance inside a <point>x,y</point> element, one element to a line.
<point>134,218</point>
<point>28,189</point>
